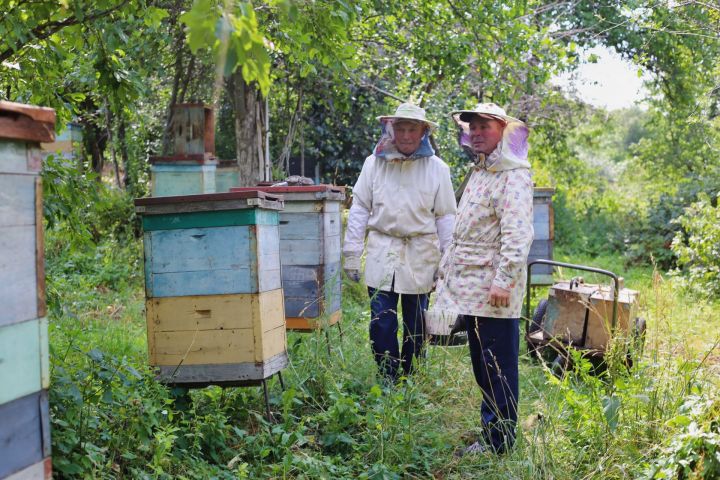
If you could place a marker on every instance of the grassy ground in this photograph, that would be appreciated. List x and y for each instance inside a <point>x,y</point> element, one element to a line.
<point>111,420</point>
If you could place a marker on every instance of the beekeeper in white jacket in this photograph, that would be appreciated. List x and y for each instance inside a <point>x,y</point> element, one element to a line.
<point>404,199</point>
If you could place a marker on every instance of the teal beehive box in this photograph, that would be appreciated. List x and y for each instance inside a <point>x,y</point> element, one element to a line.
<point>24,377</point>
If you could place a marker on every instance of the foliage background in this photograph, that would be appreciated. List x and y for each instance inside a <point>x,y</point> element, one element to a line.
<point>636,190</point>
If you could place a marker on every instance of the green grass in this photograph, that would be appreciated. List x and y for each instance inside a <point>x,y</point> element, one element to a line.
<point>112,420</point>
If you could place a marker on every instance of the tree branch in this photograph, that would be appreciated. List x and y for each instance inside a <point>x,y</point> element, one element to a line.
<point>41,32</point>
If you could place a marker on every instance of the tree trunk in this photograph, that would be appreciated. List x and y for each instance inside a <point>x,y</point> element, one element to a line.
<point>128,179</point>
<point>250,131</point>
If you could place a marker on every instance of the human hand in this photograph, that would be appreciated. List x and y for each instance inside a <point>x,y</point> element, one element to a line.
<point>436,275</point>
<point>499,297</point>
<point>353,274</point>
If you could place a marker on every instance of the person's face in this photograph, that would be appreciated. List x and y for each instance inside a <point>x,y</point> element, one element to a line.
<point>485,134</point>
<point>408,136</point>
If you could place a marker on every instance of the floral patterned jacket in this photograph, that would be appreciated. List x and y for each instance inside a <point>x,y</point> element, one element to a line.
<point>493,233</point>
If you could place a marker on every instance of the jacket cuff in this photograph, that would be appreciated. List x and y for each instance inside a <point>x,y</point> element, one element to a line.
<point>503,280</point>
<point>351,261</point>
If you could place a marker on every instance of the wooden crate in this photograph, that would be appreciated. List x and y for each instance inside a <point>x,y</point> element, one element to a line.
<point>544,226</point>
<point>310,253</point>
<point>24,376</point>
<point>567,307</point>
<point>215,313</point>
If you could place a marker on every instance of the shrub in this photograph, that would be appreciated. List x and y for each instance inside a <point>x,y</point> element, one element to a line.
<point>698,245</point>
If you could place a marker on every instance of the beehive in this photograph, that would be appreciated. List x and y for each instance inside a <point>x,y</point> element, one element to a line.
<point>192,167</point>
<point>569,304</point>
<point>310,251</point>
<point>214,300</point>
<point>542,245</point>
<point>227,176</point>
<point>24,373</point>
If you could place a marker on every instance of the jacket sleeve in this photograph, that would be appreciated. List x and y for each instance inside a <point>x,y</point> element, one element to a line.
<point>358,217</point>
<point>515,210</point>
<point>445,209</point>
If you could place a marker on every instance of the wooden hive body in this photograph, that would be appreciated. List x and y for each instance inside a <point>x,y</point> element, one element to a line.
<point>567,307</point>
<point>227,176</point>
<point>310,253</point>
<point>544,228</point>
<point>24,372</point>
<point>191,169</point>
<point>213,289</point>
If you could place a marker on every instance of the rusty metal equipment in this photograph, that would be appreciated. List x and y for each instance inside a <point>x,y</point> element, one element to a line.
<point>584,317</point>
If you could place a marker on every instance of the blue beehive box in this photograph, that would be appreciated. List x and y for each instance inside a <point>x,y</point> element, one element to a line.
<point>24,373</point>
<point>214,299</point>
<point>310,252</point>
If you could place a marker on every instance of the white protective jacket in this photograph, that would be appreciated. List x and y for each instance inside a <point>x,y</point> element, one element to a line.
<point>408,208</point>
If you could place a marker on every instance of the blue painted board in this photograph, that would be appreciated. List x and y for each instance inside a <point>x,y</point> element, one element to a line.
<point>14,158</point>
<point>24,432</point>
<point>212,261</point>
<point>17,200</point>
<point>300,226</point>
<point>170,180</point>
<point>18,276</point>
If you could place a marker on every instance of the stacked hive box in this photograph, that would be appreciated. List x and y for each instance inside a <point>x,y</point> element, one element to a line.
<point>310,227</point>
<point>542,246</point>
<point>214,299</point>
<point>24,377</point>
<point>192,167</point>
<point>227,175</point>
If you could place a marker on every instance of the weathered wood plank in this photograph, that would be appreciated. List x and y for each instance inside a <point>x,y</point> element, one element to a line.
<point>222,374</point>
<point>301,252</point>
<point>333,249</point>
<point>332,224</point>
<point>541,222</point>
<point>38,471</point>
<point>45,423</point>
<point>226,178</point>
<point>13,157</point>
<point>21,434</point>
<point>209,219</point>
<point>201,312</point>
<point>301,226</point>
<point>307,324</point>
<point>274,342</point>
<point>17,200</point>
<point>39,250</point>
<point>44,354</point>
<point>203,347</point>
<point>218,329</point>
<point>271,310</point>
<point>18,295</point>
<point>201,249</point>
<point>20,360</point>
<point>207,282</point>
<point>171,180</point>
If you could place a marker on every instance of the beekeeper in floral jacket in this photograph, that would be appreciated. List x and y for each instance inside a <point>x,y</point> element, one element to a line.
<point>483,271</point>
<point>404,199</point>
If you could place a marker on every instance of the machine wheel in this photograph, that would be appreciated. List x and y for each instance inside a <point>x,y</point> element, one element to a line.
<point>535,325</point>
<point>637,341</point>
<point>560,365</point>
<point>538,316</point>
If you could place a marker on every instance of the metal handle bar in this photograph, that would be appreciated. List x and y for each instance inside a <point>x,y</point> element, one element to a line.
<point>616,281</point>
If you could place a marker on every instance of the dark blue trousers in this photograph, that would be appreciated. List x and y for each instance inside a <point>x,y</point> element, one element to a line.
<point>494,353</point>
<point>384,327</point>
